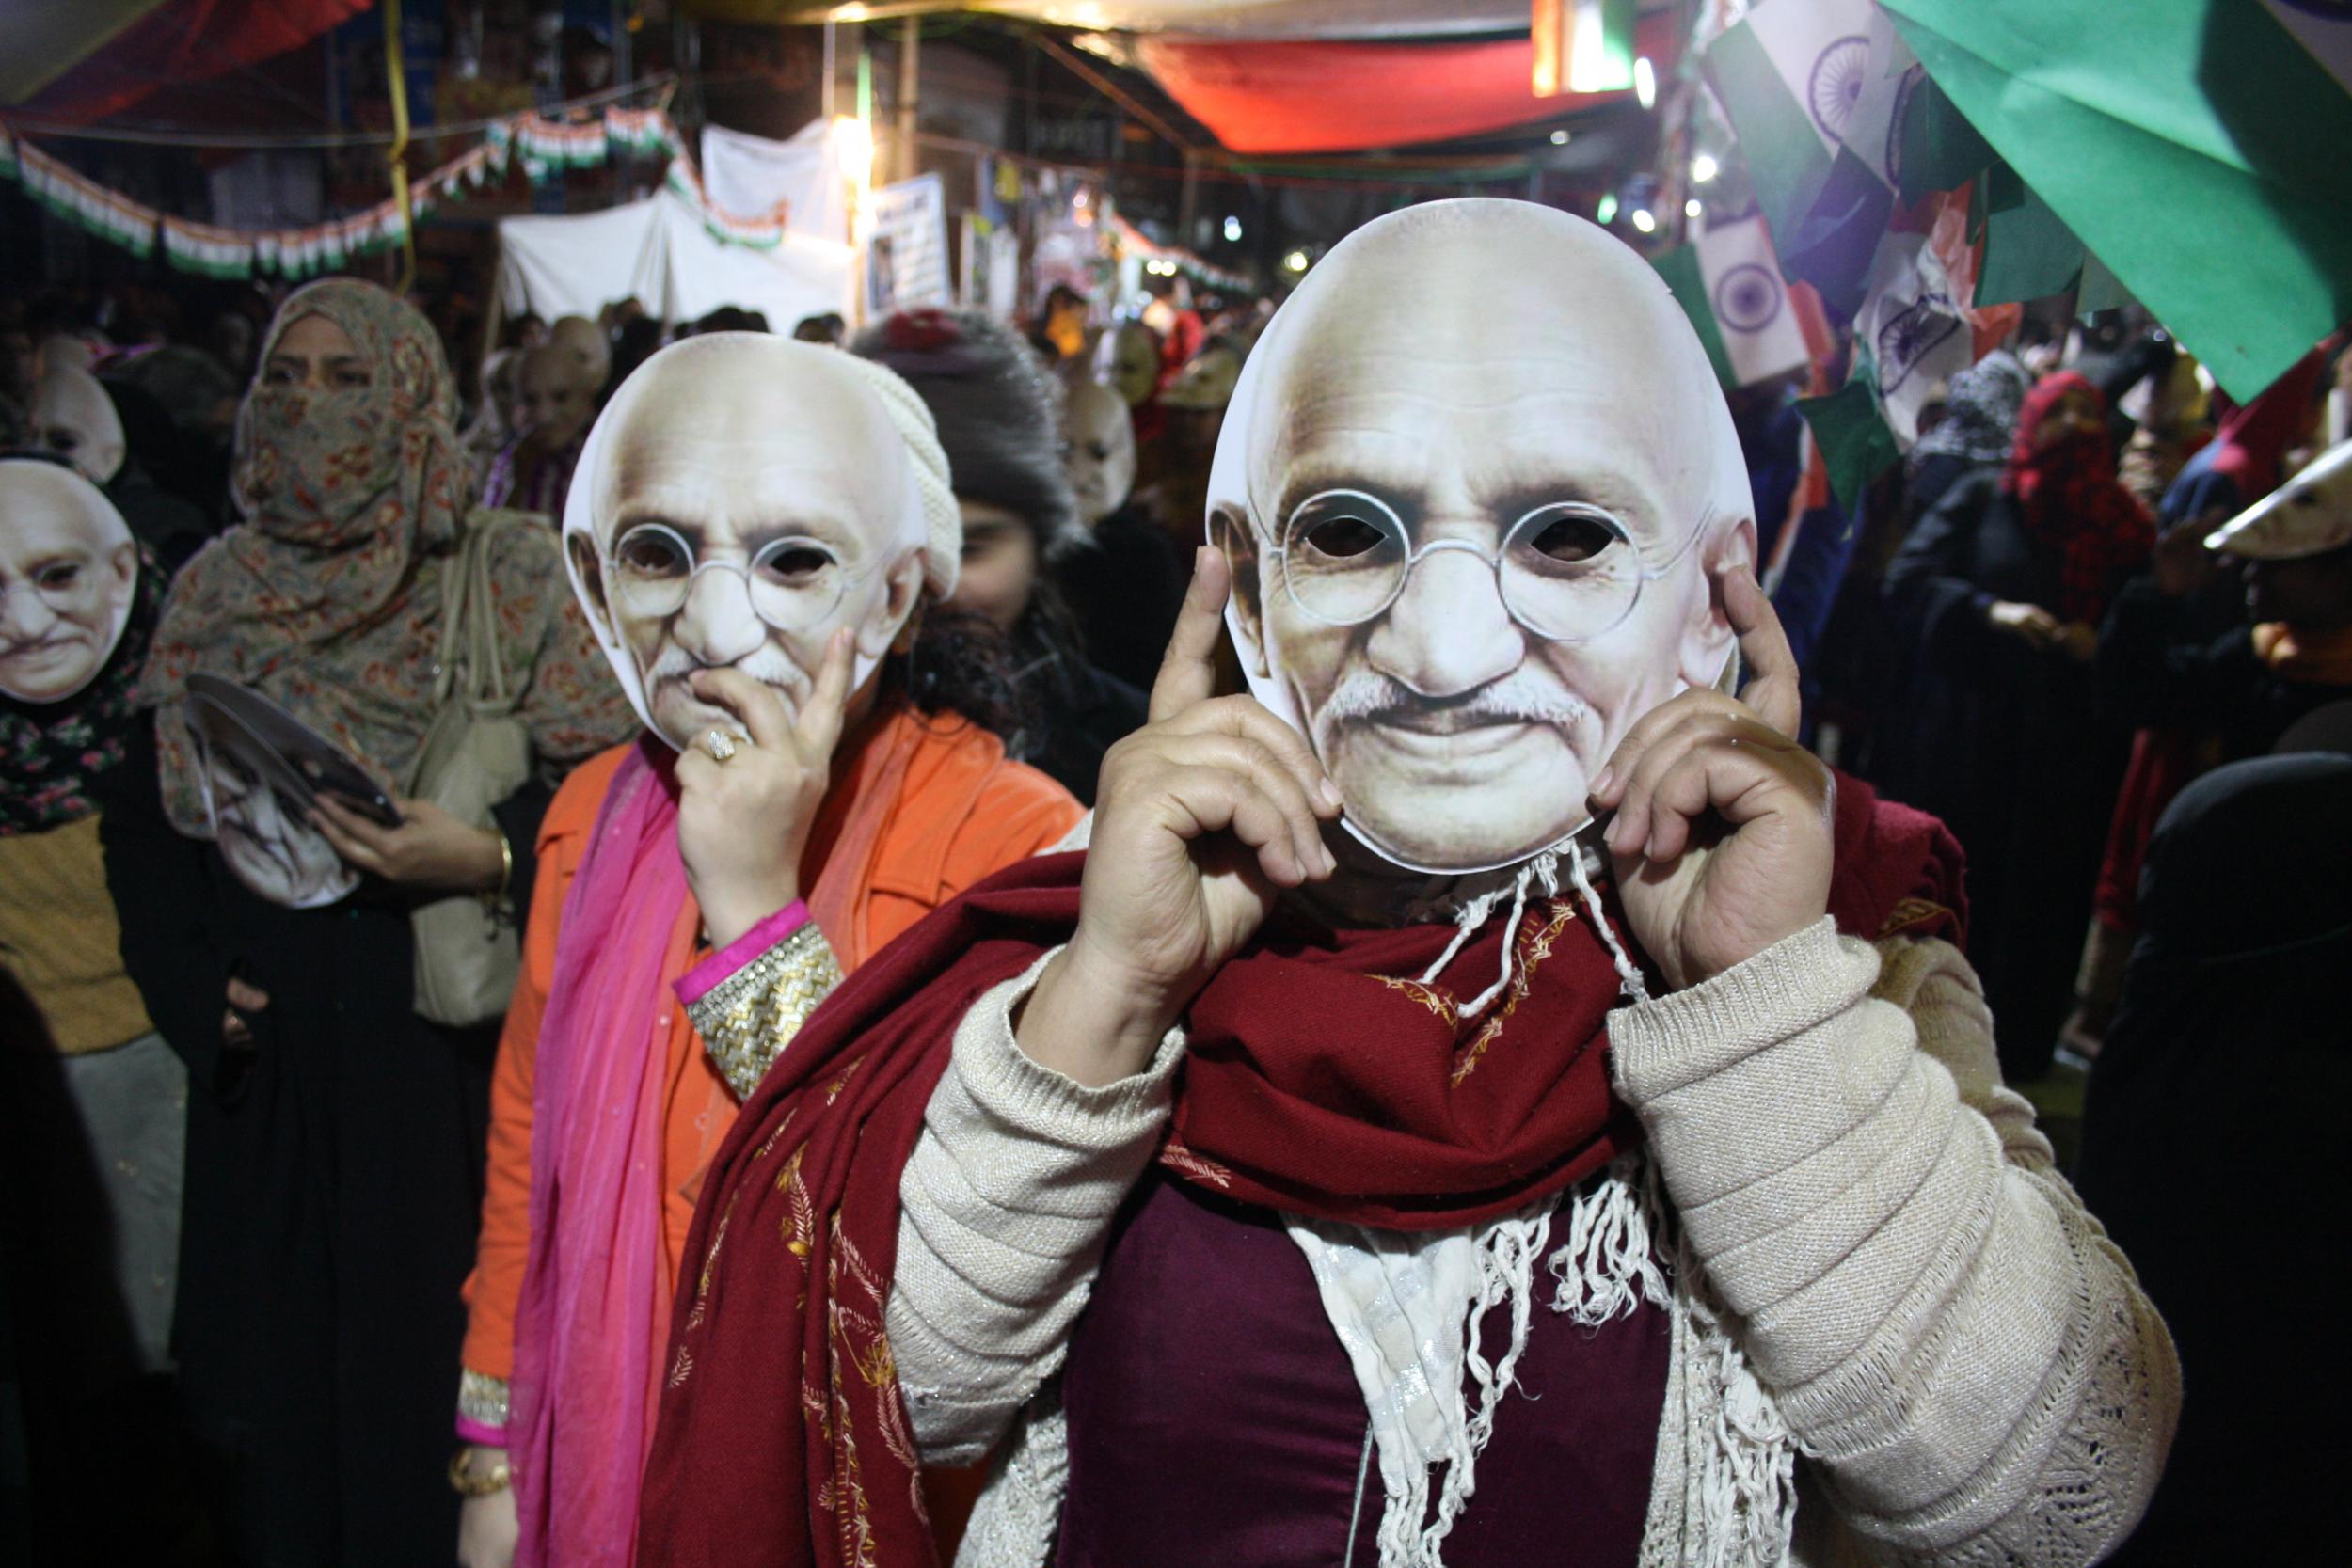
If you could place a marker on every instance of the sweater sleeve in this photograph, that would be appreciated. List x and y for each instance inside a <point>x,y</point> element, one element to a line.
<point>1953,1339</point>
<point>1002,1213</point>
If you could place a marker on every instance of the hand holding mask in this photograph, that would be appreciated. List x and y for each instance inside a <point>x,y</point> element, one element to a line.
<point>1204,816</point>
<point>1722,837</point>
<point>745,807</point>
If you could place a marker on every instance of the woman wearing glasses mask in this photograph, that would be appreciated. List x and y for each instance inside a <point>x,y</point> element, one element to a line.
<point>761,532</point>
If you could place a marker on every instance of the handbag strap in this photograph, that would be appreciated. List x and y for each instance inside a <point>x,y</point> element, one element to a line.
<point>470,641</point>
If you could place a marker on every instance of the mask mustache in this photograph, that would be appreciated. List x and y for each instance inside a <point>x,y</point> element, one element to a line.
<point>1519,697</point>
<point>767,664</point>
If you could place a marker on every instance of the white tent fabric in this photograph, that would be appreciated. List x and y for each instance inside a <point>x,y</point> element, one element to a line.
<point>750,177</point>
<point>577,265</point>
<point>661,252</point>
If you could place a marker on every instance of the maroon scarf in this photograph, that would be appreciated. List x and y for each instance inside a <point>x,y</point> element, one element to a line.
<point>1311,1085</point>
<point>2072,500</point>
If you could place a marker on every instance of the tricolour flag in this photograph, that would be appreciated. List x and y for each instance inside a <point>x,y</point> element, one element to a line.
<point>1729,282</point>
<point>207,251</point>
<point>1816,89</point>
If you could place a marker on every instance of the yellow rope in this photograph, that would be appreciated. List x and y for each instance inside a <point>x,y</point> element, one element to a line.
<point>396,76</point>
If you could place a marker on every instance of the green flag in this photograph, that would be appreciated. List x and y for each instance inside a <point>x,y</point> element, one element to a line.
<point>2194,145</point>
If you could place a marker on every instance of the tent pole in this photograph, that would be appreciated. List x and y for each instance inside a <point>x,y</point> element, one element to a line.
<point>910,67</point>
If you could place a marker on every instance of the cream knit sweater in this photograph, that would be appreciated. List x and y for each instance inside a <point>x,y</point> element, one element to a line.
<point>1869,1224</point>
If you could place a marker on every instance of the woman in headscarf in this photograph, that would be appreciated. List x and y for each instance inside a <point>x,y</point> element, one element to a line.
<point>335,1136</point>
<point>2004,584</point>
<point>1978,425</point>
<point>998,413</point>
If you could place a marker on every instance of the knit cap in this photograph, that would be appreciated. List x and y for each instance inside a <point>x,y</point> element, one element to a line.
<point>996,411</point>
<point>942,555</point>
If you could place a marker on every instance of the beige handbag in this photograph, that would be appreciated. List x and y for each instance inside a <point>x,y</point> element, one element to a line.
<point>477,754</point>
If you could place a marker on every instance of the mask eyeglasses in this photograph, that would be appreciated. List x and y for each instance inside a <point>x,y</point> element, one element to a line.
<point>1566,570</point>
<point>794,582</point>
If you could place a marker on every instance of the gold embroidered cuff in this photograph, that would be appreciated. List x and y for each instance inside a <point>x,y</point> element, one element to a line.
<point>481,1399</point>
<point>747,1018</point>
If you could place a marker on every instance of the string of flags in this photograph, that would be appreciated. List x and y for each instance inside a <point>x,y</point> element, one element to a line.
<point>546,148</point>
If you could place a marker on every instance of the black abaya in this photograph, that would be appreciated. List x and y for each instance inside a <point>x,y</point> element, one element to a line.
<point>333,1193</point>
<point>2010,752</point>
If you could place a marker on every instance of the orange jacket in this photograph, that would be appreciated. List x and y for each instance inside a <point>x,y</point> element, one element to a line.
<point>964,812</point>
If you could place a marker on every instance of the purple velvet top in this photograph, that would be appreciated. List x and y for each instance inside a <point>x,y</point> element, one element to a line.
<point>1214,1417</point>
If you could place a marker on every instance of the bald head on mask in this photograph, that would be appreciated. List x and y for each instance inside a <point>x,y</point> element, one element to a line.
<point>69,573</point>
<point>1476,482</point>
<point>72,415</point>
<point>740,498</point>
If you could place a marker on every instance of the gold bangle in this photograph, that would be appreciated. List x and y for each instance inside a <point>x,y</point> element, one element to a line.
<point>499,1477</point>
<point>497,895</point>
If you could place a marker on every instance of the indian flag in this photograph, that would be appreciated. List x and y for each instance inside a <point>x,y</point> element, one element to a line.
<point>1728,284</point>
<point>207,251</point>
<point>1790,75</point>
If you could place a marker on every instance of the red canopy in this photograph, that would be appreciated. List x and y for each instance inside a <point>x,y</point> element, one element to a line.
<point>1316,97</point>
<point>178,42</point>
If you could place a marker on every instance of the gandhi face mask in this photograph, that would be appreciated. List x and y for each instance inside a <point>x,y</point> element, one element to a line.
<point>741,499</point>
<point>69,573</point>
<point>1475,482</point>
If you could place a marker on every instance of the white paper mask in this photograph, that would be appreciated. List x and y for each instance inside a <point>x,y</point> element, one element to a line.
<point>1474,481</point>
<point>741,498</point>
<point>72,415</point>
<point>259,823</point>
<point>68,575</point>
<point>1101,459</point>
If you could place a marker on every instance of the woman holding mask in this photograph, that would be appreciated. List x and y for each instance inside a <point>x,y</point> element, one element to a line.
<point>335,1134</point>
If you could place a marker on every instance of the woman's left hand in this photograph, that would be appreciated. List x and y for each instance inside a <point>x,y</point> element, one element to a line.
<point>1722,837</point>
<point>430,851</point>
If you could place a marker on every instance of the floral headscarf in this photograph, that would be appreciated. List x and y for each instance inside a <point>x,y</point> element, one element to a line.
<point>2070,497</point>
<point>328,596</point>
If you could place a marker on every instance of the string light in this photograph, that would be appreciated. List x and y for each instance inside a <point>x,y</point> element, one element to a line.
<point>1559,138</point>
<point>1232,230</point>
<point>1608,209</point>
<point>1645,82</point>
<point>1692,209</point>
<point>1703,168</point>
<point>1295,260</point>
<point>1643,221</point>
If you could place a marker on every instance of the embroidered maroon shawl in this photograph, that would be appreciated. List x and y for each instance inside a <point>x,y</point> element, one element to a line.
<point>1311,1083</point>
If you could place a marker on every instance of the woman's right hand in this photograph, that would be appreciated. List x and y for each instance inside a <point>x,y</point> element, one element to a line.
<point>234,1032</point>
<point>1201,818</point>
<point>2029,623</point>
<point>486,1526</point>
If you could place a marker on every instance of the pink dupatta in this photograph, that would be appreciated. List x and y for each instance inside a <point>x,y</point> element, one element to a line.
<point>594,1318</point>
<point>595,1313</point>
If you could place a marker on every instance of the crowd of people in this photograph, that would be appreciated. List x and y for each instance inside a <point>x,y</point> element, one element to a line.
<point>553,1026</point>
